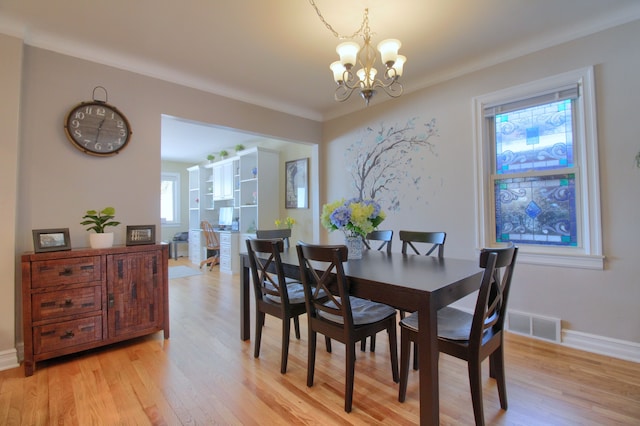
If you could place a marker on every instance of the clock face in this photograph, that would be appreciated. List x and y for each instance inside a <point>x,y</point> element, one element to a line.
<point>97,128</point>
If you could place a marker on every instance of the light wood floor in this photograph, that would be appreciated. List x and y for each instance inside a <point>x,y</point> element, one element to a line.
<point>204,374</point>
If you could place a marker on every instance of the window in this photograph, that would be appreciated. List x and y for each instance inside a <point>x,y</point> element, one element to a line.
<point>538,171</point>
<point>170,199</point>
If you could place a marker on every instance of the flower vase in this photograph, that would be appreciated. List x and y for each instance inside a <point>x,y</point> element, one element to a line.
<point>102,240</point>
<point>354,247</point>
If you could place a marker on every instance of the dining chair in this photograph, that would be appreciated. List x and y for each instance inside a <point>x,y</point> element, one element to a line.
<point>212,243</point>
<point>347,319</point>
<point>284,234</point>
<point>472,337</point>
<point>273,294</point>
<point>386,237</point>
<point>436,239</point>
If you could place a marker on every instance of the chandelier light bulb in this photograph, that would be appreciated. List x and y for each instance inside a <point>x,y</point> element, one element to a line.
<point>389,51</point>
<point>348,52</point>
<point>338,71</point>
<point>364,81</point>
<point>399,64</point>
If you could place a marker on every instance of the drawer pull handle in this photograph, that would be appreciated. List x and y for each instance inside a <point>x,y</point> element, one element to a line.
<point>67,335</point>
<point>68,303</point>
<point>66,272</point>
<point>86,267</point>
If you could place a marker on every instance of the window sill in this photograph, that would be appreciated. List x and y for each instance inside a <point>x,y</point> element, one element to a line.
<point>562,260</point>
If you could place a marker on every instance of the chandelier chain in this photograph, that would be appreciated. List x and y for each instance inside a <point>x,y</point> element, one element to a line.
<point>360,31</point>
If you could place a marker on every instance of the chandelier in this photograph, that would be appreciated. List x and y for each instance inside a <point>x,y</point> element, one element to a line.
<point>352,54</point>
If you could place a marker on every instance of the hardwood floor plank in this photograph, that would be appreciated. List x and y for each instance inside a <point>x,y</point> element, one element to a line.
<point>205,374</point>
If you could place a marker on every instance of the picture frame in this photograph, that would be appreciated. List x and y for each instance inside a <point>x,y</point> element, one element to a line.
<point>53,239</point>
<point>140,235</point>
<point>297,184</point>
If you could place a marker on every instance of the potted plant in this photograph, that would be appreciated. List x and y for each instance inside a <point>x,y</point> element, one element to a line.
<point>211,157</point>
<point>239,147</point>
<point>223,154</point>
<point>98,221</point>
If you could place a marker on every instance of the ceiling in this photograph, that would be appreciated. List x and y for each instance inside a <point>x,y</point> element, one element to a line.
<point>276,53</point>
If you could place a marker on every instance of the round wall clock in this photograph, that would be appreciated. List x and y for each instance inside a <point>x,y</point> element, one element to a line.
<point>97,128</point>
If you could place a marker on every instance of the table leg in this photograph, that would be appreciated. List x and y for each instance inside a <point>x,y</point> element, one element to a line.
<point>245,315</point>
<point>428,354</point>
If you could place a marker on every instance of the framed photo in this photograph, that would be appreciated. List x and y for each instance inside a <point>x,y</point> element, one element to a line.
<point>297,184</point>
<point>56,239</point>
<point>141,234</point>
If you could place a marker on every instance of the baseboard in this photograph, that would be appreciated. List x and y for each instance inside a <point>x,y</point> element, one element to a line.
<point>615,348</point>
<point>8,359</point>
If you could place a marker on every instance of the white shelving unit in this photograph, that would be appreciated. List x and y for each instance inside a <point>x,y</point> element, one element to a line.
<point>194,214</point>
<point>259,189</point>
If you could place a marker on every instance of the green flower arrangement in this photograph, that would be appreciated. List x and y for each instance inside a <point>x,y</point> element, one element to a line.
<point>353,217</point>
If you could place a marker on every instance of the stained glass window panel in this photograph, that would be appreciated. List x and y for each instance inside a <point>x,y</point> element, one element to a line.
<point>537,210</point>
<point>535,139</point>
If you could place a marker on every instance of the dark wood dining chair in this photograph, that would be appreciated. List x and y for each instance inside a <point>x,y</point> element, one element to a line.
<point>386,239</point>
<point>273,294</point>
<point>340,317</point>
<point>212,243</point>
<point>268,234</point>
<point>472,337</point>
<point>435,239</point>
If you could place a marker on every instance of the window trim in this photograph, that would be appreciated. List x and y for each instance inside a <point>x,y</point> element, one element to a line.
<point>589,254</point>
<point>175,177</point>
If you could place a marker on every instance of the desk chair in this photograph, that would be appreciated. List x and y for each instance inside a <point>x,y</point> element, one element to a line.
<point>472,337</point>
<point>212,244</point>
<point>340,317</point>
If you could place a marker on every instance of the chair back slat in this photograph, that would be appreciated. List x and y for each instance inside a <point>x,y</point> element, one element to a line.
<point>268,234</point>
<point>385,236</point>
<point>266,268</point>
<point>436,239</point>
<point>491,306</point>
<point>323,278</point>
<point>211,237</point>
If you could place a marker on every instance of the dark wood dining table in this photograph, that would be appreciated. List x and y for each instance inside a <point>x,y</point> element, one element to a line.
<point>408,282</point>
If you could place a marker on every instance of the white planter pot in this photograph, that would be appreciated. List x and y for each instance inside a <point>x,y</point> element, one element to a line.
<point>104,240</point>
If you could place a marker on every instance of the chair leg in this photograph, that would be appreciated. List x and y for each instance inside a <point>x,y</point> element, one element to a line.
<point>496,370</point>
<point>415,356</point>
<point>286,330</point>
<point>393,348</point>
<point>405,346</point>
<point>363,345</point>
<point>349,377</point>
<point>259,321</point>
<point>296,325</point>
<point>475,383</point>
<point>327,343</point>
<point>372,344</point>
<point>311,359</point>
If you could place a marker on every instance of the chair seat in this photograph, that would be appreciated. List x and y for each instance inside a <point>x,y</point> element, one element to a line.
<point>453,324</point>
<point>363,311</point>
<point>295,291</point>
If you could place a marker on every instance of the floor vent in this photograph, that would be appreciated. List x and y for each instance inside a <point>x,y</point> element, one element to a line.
<point>534,325</point>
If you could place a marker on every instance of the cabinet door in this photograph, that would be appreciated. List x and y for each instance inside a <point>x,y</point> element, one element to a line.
<point>134,293</point>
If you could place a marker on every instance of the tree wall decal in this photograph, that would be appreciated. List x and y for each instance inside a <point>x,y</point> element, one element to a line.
<point>383,160</point>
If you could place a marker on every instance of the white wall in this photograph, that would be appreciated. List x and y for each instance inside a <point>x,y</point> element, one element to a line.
<point>600,303</point>
<point>57,183</point>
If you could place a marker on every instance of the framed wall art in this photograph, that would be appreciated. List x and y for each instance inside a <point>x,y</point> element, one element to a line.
<point>141,234</point>
<point>55,239</point>
<point>297,184</point>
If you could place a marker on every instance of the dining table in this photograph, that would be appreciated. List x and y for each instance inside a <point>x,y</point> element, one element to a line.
<point>412,283</point>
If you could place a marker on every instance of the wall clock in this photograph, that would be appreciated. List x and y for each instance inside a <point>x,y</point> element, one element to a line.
<point>97,128</point>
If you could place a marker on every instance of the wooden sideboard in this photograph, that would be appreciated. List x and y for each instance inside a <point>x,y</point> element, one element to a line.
<point>85,298</point>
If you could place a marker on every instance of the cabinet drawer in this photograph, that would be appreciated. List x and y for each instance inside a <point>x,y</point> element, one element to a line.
<point>225,263</point>
<point>225,238</point>
<point>47,273</point>
<point>62,335</point>
<point>66,302</point>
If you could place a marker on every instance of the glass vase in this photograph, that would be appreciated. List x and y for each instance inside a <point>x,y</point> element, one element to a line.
<point>354,246</point>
